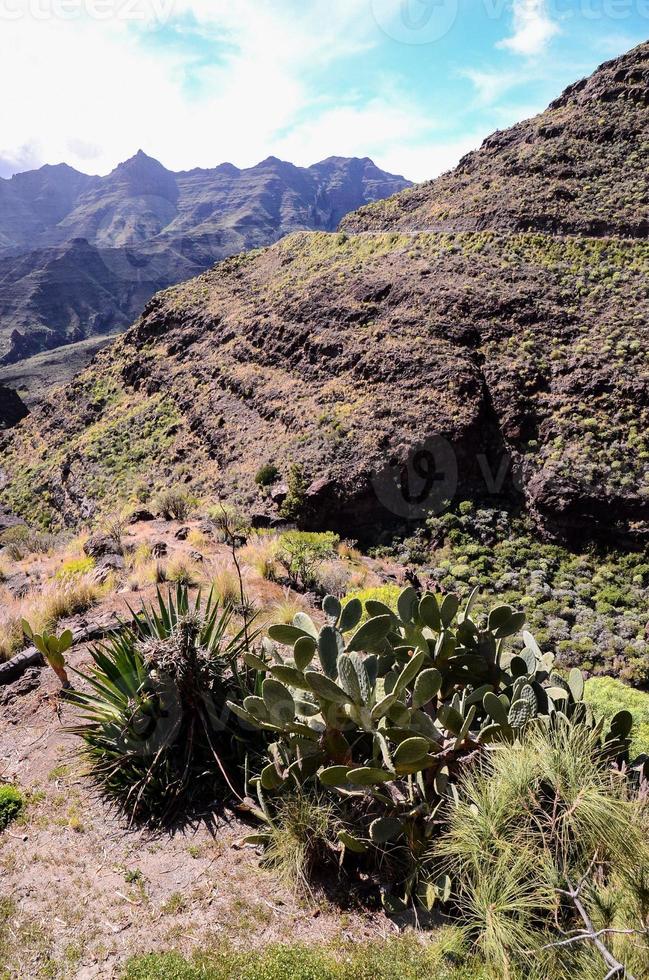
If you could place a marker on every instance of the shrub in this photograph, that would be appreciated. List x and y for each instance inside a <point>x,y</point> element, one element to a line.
<point>154,724</point>
<point>21,541</point>
<point>301,553</point>
<point>266,475</point>
<point>403,699</point>
<point>174,504</point>
<point>293,505</point>
<point>12,804</point>
<point>537,825</point>
<point>387,594</point>
<point>332,578</point>
<point>56,602</point>
<point>608,696</point>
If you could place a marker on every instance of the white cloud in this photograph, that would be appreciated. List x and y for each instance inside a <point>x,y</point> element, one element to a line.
<point>533,28</point>
<point>91,91</point>
<point>491,85</point>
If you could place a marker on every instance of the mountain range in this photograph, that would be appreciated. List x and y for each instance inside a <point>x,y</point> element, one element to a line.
<point>81,255</point>
<point>482,336</point>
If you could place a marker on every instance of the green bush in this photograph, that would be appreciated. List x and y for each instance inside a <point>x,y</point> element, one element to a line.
<point>301,553</point>
<point>154,721</point>
<point>174,504</point>
<point>12,804</point>
<point>293,505</point>
<point>607,696</point>
<point>266,475</point>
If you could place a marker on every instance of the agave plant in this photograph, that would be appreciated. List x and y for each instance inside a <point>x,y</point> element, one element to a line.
<point>155,723</point>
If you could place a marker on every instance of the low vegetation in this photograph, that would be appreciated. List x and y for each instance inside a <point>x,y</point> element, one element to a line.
<point>589,607</point>
<point>12,804</point>
<point>406,958</point>
<point>56,601</point>
<point>399,740</point>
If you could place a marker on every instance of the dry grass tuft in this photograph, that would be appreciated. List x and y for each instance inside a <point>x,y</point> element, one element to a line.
<point>45,610</point>
<point>260,553</point>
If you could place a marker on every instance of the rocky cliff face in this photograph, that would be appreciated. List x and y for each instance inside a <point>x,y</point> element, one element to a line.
<point>399,368</point>
<point>80,256</point>
<point>578,168</point>
<point>12,409</point>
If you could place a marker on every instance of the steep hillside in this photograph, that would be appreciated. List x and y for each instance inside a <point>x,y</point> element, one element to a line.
<point>79,255</point>
<point>398,368</point>
<point>578,168</point>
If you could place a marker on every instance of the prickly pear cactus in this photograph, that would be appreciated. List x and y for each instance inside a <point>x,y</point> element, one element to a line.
<point>384,708</point>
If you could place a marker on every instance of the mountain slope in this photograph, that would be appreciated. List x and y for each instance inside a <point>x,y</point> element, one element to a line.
<point>578,168</point>
<point>399,368</point>
<point>79,255</point>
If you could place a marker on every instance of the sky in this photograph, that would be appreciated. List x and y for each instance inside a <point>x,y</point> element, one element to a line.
<point>414,84</point>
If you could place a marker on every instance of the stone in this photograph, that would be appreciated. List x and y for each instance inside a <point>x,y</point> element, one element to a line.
<point>101,544</point>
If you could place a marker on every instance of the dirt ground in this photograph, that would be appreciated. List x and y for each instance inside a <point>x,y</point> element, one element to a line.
<point>80,892</point>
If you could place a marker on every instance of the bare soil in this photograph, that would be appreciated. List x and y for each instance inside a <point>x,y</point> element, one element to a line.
<point>81,891</point>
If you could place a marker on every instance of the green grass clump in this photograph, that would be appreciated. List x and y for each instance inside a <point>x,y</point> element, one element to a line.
<point>387,594</point>
<point>74,568</point>
<point>12,804</point>
<point>607,696</point>
<point>405,958</point>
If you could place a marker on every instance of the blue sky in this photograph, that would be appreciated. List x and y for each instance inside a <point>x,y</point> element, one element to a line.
<point>412,83</point>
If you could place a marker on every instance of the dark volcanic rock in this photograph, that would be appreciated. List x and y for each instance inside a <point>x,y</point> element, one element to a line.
<point>12,408</point>
<point>100,545</point>
<point>578,168</point>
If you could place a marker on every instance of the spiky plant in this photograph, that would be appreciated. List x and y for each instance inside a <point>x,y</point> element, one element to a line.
<point>536,825</point>
<point>155,724</point>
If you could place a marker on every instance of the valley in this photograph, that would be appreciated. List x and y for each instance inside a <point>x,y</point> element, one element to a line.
<point>324,579</point>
